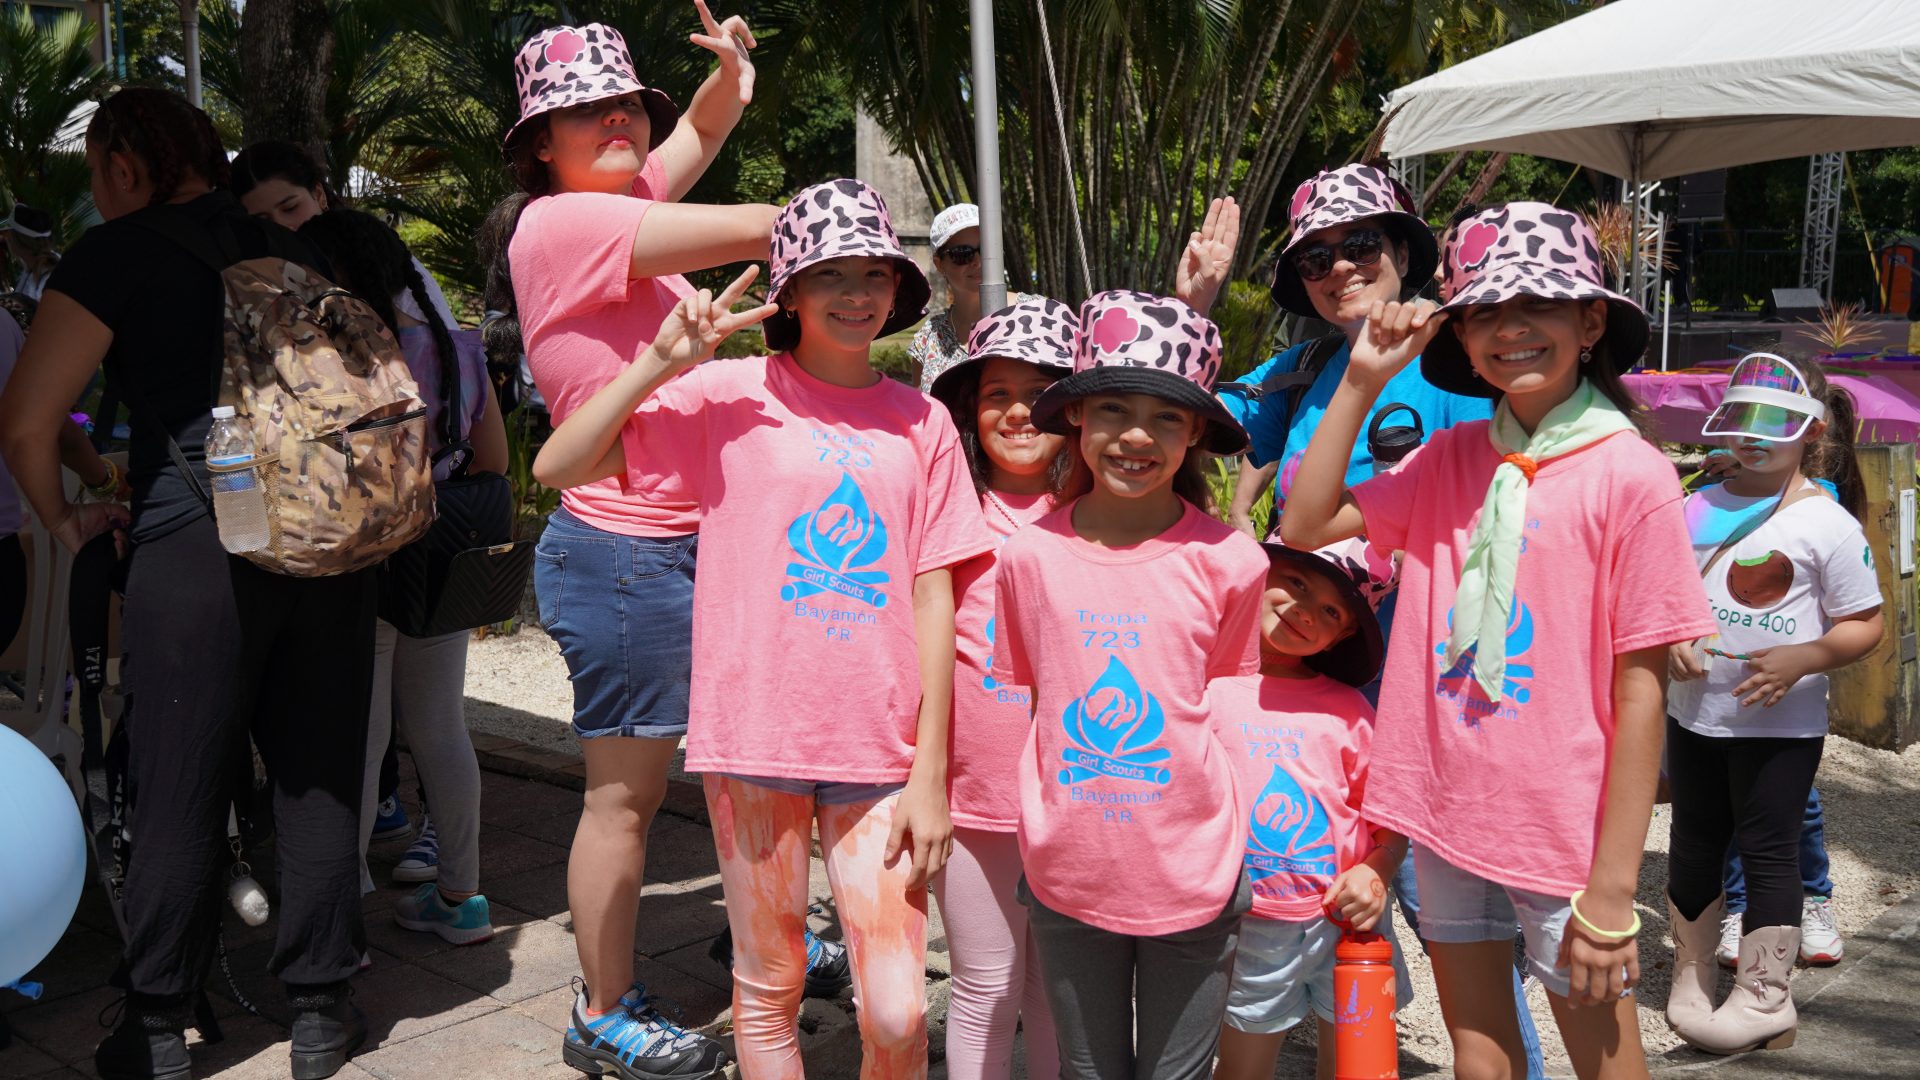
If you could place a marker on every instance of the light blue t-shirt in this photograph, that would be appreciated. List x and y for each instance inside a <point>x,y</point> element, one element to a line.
<point>1273,440</point>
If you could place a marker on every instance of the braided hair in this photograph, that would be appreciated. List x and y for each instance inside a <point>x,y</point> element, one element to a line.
<point>172,138</point>
<point>371,261</point>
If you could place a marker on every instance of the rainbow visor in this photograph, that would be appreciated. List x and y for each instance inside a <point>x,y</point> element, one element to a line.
<point>1767,399</point>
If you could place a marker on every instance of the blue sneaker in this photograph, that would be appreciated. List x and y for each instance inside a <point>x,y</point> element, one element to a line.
<point>466,923</point>
<point>422,860</point>
<point>634,1042</point>
<point>390,821</point>
<point>828,973</point>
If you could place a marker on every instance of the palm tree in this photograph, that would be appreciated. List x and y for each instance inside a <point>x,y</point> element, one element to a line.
<point>46,74</point>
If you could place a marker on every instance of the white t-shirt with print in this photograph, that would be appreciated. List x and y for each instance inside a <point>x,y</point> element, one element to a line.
<point>1783,584</point>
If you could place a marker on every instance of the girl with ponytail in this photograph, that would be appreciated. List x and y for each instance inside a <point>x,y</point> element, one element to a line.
<point>584,263</point>
<point>1790,580</point>
<point>419,683</point>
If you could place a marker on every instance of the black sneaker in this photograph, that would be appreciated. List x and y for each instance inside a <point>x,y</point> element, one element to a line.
<point>137,1049</point>
<point>828,973</point>
<point>325,1036</point>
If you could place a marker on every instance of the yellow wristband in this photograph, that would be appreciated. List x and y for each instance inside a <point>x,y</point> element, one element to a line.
<point>1611,935</point>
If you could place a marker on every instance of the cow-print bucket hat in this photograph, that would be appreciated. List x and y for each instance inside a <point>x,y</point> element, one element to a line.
<point>1348,194</point>
<point>572,65</point>
<point>1363,576</point>
<point>1527,249</point>
<point>834,220</point>
<point>1138,343</point>
<point>1037,330</point>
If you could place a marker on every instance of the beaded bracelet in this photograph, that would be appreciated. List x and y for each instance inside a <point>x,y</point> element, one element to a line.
<point>1611,935</point>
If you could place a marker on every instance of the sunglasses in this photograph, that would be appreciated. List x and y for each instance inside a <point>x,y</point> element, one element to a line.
<point>960,254</point>
<point>1360,247</point>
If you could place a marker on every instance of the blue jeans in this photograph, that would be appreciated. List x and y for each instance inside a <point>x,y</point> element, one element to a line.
<point>1813,859</point>
<point>621,609</point>
<point>1408,890</point>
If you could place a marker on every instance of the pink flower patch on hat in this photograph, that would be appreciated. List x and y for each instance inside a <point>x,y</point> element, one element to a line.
<point>1476,241</point>
<point>564,47</point>
<point>1115,330</point>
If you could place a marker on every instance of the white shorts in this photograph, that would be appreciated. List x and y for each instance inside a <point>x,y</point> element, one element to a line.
<point>1283,969</point>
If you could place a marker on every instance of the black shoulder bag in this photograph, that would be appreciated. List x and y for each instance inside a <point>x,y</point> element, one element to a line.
<point>468,571</point>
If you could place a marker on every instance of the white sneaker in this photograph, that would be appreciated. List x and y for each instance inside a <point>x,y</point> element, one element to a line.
<point>1728,953</point>
<point>1819,939</point>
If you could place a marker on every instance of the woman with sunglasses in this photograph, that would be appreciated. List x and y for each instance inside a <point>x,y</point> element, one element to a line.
<point>941,341</point>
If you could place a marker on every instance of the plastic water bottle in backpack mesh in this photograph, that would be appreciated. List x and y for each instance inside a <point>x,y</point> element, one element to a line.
<point>239,504</point>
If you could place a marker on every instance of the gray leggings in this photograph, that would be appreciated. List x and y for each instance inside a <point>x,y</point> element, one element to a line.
<point>1112,992</point>
<point>420,684</point>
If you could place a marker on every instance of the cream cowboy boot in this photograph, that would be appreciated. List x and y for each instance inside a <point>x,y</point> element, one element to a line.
<point>1690,1002</point>
<point>1759,1012</point>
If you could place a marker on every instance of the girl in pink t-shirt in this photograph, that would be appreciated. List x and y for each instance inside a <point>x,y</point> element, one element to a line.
<point>584,260</point>
<point>1022,474</point>
<point>1520,717</point>
<point>1116,610</point>
<point>838,501</point>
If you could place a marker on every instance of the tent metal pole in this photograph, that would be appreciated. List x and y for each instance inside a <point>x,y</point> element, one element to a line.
<point>1666,322</point>
<point>986,142</point>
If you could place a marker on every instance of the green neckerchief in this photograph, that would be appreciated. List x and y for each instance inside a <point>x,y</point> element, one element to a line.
<point>1483,603</point>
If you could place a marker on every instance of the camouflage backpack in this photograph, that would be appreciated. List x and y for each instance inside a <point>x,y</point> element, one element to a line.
<point>339,430</point>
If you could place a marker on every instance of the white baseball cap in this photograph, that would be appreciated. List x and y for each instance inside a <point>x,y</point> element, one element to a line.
<point>948,223</point>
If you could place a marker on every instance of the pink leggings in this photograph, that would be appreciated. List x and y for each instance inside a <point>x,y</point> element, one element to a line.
<point>763,837</point>
<point>996,969</point>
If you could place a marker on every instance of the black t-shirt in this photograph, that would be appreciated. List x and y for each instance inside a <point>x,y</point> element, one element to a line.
<point>166,308</point>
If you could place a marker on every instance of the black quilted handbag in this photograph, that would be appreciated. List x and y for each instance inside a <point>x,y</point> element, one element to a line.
<point>468,571</point>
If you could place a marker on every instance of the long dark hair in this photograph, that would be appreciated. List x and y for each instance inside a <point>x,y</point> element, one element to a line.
<point>965,407</point>
<point>169,135</point>
<point>276,160</point>
<point>501,333</point>
<point>375,266</point>
<point>1831,457</point>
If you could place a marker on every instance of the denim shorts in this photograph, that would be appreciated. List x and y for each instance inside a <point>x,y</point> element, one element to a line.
<point>621,610</point>
<point>1284,970</point>
<point>1458,907</point>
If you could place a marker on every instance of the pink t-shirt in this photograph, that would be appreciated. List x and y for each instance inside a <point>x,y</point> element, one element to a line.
<point>990,717</point>
<point>583,320</point>
<point>1513,789</point>
<point>819,505</point>
<point>1301,746</point>
<point>1130,816</point>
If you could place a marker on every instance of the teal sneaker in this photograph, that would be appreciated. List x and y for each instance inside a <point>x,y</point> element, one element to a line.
<point>466,923</point>
<point>635,1042</point>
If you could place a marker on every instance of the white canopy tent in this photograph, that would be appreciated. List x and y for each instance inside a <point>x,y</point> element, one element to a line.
<point>1648,89</point>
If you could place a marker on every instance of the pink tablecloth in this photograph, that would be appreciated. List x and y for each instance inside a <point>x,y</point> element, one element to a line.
<point>1886,394</point>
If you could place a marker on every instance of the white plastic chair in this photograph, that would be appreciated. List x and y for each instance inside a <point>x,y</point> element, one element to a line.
<point>44,719</point>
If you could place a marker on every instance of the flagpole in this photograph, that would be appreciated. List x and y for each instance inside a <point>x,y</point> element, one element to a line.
<point>986,140</point>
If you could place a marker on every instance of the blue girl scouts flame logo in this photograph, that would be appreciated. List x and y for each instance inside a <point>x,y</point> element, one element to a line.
<point>833,543</point>
<point>1289,834</point>
<point>990,683</point>
<point>1456,683</point>
<point>1113,727</point>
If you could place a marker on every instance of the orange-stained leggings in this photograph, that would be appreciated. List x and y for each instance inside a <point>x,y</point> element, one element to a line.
<point>762,837</point>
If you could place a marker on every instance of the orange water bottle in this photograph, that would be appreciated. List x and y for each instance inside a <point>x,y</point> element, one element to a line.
<point>1366,1044</point>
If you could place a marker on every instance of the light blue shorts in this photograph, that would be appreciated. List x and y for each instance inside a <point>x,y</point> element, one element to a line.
<point>1458,907</point>
<point>1283,969</point>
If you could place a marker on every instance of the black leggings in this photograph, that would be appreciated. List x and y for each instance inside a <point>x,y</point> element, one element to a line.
<point>13,588</point>
<point>217,649</point>
<point>1753,793</point>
